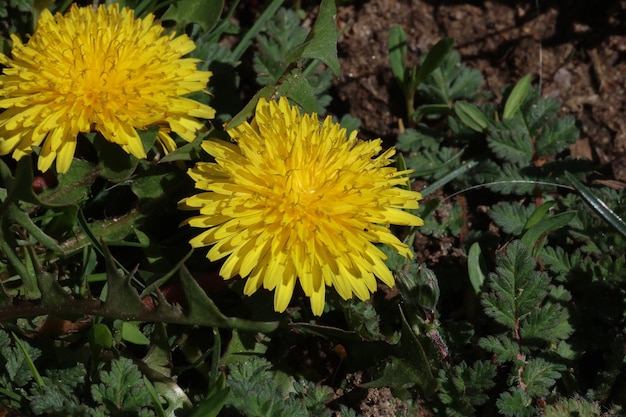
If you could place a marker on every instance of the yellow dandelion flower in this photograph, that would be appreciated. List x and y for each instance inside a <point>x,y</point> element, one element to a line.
<point>294,199</point>
<point>97,69</point>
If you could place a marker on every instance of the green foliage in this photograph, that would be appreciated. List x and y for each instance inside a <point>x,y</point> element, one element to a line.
<point>516,293</point>
<point>121,389</point>
<point>283,33</point>
<point>257,391</point>
<point>464,388</point>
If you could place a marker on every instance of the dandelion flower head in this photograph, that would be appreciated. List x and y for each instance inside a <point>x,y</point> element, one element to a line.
<point>296,199</point>
<point>97,69</point>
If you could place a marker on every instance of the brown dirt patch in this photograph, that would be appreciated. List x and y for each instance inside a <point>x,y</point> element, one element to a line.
<point>575,50</point>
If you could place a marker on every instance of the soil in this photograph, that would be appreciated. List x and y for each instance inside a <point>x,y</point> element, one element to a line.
<point>574,49</point>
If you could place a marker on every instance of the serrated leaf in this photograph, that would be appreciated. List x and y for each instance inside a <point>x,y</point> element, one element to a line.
<point>283,35</point>
<point>502,346</point>
<point>510,141</point>
<point>464,388</point>
<point>451,81</point>
<point>539,376</point>
<point>517,96</point>
<point>414,140</point>
<point>538,111</point>
<point>204,13</point>
<point>557,136</point>
<point>18,362</point>
<point>511,217</point>
<point>121,297</point>
<point>122,387</point>
<point>516,289</point>
<point>547,323</point>
<point>559,261</point>
<point>578,406</point>
<point>515,402</point>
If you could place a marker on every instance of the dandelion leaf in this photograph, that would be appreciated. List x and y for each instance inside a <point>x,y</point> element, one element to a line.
<point>204,13</point>
<point>322,40</point>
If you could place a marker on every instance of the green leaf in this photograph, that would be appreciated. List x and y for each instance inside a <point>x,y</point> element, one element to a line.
<point>283,35</point>
<point>434,58</point>
<point>540,375</point>
<point>20,362</point>
<point>212,404</point>
<point>511,217</point>
<point>517,96</point>
<point>515,402</point>
<point>545,226</point>
<point>122,388</point>
<point>297,87</point>
<point>578,406</point>
<point>538,214</point>
<point>202,310</point>
<point>476,267</point>
<point>116,164</point>
<point>471,116</point>
<point>121,296</point>
<point>73,186</point>
<point>249,108</point>
<point>154,396</point>
<point>29,359</point>
<point>450,82</point>
<point>464,388</point>
<point>151,187</point>
<point>100,336</point>
<point>509,140</point>
<point>549,323</point>
<point>397,53</point>
<point>188,152</point>
<point>516,289</point>
<point>19,216</point>
<point>132,334</point>
<point>557,136</point>
<point>204,13</point>
<point>505,348</point>
<point>19,187</point>
<point>322,40</point>
<point>598,205</point>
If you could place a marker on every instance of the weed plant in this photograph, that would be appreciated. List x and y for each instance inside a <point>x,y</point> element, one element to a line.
<point>106,310</point>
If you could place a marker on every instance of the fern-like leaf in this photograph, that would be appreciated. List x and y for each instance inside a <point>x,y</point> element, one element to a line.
<point>511,217</point>
<point>539,376</point>
<point>464,388</point>
<point>516,289</point>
